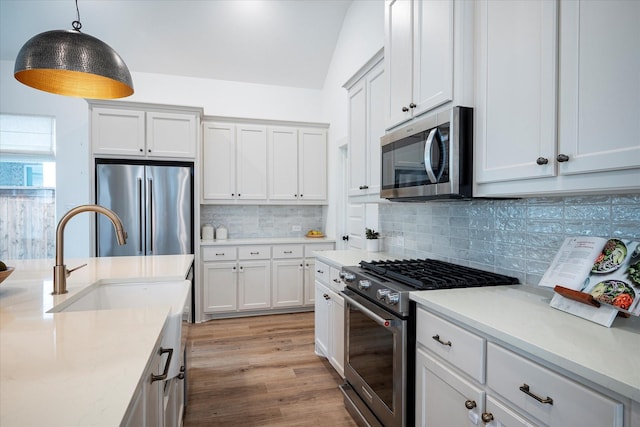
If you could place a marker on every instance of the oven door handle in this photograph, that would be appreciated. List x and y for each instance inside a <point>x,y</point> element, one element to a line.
<point>378,319</point>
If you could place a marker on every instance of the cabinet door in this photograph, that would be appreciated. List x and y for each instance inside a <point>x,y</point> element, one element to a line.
<point>283,164</point>
<point>599,85</point>
<point>321,317</point>
<point>398,59</point>
<point>309,281</point>
<point>171,135</point>
<point>252,162</point>
<point>220,290</point>
<point>432,54</point>
<point>218,161</point>
<point>336,332</point>
<point>312,164</point>
<point>357,139</point>
<point>118,132</point>
<point>443,398</point>
<point>287,283</point>
<point>516,89</point>
<point>254,285</point>
<point>376,96</point>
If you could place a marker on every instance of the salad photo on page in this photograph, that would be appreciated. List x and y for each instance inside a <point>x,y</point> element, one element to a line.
<point>615,276</point>
<point>607,269</point>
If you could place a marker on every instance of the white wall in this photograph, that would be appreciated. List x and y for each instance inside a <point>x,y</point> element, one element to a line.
<point>361,37</point>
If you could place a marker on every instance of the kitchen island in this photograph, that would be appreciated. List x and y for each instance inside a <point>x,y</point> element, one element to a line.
<point>76,368</point>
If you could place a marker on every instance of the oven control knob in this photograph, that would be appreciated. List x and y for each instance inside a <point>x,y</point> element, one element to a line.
<point>382,293</point>
<point>392,298</point>
<point>349,277</point>
<point>364,284</point>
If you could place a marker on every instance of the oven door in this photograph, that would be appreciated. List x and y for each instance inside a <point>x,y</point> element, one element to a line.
<point>375,359</point>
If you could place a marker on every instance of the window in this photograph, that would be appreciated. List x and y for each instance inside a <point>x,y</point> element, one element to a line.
<point>27,186</point>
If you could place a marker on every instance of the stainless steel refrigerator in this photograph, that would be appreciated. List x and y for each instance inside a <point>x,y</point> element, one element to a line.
<point>154,202</point>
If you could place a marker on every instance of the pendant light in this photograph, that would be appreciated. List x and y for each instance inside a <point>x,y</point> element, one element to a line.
<point>71,63</point>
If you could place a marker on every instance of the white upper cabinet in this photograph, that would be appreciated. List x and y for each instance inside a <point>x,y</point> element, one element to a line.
<point>366,125</point>
<point>297,164</point>
<point>218,161</point>
<point>143,133</point>
<point>599,85</point>
<point>312,164</point>
<point>428,56</point>
<point>557,90</point>
<point>251,162</point>
<point>516,83</point>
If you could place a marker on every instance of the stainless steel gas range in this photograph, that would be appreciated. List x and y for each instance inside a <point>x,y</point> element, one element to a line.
<point>380,332</point>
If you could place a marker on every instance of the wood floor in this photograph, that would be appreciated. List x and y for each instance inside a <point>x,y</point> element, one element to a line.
<point>261,371</point>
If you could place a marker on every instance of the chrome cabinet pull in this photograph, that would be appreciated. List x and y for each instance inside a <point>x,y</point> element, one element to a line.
<point>562,158</point>
<point>164,374</point>
<point>470,404</point>
<point>437,338</point>
<point>542,161</point>
<point>525,389</point>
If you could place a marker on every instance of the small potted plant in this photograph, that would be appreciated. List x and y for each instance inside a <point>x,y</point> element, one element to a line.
<point>372,240</point>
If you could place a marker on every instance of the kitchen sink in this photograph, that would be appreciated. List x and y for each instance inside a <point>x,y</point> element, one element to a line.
<point>110,295</point>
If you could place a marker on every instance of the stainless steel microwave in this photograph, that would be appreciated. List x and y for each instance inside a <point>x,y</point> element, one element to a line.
<point>430,158</point>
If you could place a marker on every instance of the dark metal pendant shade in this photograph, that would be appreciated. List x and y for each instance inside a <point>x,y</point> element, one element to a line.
<point>71,63</point>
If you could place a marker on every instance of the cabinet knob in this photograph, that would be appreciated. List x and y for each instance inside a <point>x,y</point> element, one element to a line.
<point>405,109</point>
<point>562,158</point>
<point>542,161</point>
<point>412,105</point>
<point>487,417</point>
<point>301,195</point>
<point>149,150</point>
<point>141,150</point>
<point>470,404</point>
<point>345,238</point>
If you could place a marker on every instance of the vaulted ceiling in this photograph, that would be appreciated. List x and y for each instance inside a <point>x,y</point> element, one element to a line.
<point>274,42</point>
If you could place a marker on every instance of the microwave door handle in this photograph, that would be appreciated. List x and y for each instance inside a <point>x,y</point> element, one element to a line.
<point>427,156</point>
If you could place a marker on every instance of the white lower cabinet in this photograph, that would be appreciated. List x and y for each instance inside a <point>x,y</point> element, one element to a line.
<point>147,405</point>
<point>258,279</point>
<point>447,399</point>
<point>329,316</point>
<point>452,364</point>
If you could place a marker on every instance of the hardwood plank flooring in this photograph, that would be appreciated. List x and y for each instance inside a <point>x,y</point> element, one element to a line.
<point>261,371</point>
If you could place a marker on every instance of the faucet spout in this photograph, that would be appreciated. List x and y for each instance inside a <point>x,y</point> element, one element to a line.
<point>60,272</point>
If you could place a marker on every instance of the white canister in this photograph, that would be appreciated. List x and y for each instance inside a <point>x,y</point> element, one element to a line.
<point>207,232</point>
<point>221,233</point>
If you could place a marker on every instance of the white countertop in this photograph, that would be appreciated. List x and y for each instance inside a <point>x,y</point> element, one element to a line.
<point>350,256</point>
<point>75,368</point>
<point>267,241</point>
<point>520,316</point>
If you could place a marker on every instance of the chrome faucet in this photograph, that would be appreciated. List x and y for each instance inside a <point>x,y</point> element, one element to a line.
<point>60,272</point>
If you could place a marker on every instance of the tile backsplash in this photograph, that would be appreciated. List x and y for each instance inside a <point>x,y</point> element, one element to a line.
<point>515,237</point>
<point>263,221</point>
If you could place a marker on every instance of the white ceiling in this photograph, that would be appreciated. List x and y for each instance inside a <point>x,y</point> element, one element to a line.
<point>274,42</point>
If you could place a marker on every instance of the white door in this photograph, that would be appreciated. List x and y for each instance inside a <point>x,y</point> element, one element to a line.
<point>356,225</point>
<point>287,283</point>
<point>357,140</point>
<point>220,291</point>
<point>322,319</point>
<point>254,285</point>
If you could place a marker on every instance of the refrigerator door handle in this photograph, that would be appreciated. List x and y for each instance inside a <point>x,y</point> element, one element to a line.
<point>151,231</point>
<point>140,219</point>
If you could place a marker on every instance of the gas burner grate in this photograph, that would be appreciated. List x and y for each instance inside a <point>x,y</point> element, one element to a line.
<point>428,274</point>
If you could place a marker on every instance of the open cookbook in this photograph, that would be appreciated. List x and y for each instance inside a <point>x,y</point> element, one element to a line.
<point>605,272</point>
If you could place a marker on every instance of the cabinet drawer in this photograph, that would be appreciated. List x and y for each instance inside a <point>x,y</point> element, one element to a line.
<point>457,346</point>
<point>550,397</point>
<point>287,251</point>
<point>218,253</point>
<point>322,272</point>
<point>336,282</point>
<point>309,248</point>
<point>254,252</point>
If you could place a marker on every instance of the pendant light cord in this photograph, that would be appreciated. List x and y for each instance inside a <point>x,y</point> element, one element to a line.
<point>77,24</point>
